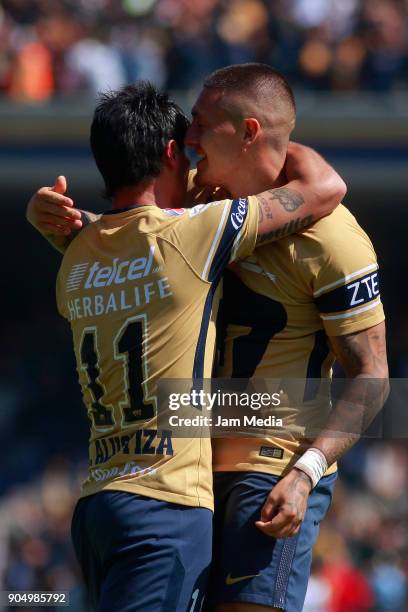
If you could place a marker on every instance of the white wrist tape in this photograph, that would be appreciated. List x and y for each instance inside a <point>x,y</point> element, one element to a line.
<point>313,463</point>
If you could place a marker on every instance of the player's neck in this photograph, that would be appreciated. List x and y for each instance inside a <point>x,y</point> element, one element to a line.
<point>258,182</point>
<point>262,173</point>
<point>143,194</point>
<point>159,191</point>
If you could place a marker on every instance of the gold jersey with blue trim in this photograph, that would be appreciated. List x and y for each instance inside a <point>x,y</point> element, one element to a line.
<point>139,288</point>
<point>280,304</point>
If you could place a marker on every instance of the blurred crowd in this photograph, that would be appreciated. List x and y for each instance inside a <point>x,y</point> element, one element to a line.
<point>35,519</point>
<point>61,48</point>
<point>361,558</point>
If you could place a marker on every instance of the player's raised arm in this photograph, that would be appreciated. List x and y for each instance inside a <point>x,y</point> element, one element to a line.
<point>52,213</point>
<point>314,189</point>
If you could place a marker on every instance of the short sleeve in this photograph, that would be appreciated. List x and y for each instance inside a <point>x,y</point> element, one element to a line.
<point>210,236</point>
<point>346,287</point>
<point>338,265</point>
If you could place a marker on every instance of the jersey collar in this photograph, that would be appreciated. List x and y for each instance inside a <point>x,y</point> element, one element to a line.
<point>116,211</point>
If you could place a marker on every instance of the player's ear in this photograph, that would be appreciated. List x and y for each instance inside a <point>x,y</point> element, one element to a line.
<point>171,152</point>
<point>252,130</point>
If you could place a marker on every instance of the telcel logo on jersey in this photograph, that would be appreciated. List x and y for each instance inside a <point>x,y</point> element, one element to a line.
<point>119,272</point>
<point>238,216</point>
<point>105,276</point>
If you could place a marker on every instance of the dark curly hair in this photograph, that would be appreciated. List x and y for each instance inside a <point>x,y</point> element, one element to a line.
<point>129,132</point>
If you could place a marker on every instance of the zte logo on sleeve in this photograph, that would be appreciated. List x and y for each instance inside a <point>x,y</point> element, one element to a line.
<point>364,290</point>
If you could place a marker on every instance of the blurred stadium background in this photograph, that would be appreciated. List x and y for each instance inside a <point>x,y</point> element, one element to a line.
<point>348,62</point>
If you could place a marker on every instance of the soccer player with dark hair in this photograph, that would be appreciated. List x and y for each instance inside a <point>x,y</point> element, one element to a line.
<point>139,287</point>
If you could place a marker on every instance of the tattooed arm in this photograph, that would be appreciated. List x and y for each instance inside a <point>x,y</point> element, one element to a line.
<point>363,357</point>
<point>314,189</point>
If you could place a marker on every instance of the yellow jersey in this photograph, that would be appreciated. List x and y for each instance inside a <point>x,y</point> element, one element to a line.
<point>139,289</point>
<point>280,304</point>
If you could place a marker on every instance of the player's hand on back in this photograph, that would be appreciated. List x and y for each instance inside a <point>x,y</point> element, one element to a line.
<point>53,213</point>
<point>285,507</point>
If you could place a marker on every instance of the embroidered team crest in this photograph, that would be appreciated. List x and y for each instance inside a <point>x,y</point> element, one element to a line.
<point>174,212</point>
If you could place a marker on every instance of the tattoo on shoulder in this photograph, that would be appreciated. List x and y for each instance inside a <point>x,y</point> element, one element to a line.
<point>362,349</point>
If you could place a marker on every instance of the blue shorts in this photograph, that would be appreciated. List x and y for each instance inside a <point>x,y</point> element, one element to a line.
<point>249,566</point>
<point>141,554</point>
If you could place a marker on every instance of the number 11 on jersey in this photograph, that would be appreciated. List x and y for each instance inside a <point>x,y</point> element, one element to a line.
<point>129,347</point>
